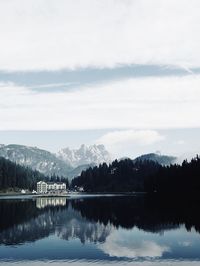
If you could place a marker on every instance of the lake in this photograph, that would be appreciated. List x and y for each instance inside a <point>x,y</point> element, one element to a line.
<point>99,230</point>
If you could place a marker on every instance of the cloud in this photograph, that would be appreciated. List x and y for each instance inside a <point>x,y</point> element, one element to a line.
<point>130,142</point>
<point>52,85</point>
<point>52,35</point>
<point>122,245</point>
<point>143,103</point>
<point>180,142</point>
<point>124,137</point>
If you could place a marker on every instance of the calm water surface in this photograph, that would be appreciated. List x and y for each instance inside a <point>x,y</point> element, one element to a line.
<point>120,230</point>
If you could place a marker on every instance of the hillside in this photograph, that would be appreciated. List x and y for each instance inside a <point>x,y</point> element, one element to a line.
<point>119,176</point>
<point>13,175</point>
<point>66,163</point>
<point>37,159</point>
<point>161,159</point>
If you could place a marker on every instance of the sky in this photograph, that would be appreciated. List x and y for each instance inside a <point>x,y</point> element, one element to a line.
<point>123,73</point>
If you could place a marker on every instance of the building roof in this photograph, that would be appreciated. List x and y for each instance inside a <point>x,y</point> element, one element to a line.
<point>57,183</point>
<point>41,182</point>
<point>51,183</point>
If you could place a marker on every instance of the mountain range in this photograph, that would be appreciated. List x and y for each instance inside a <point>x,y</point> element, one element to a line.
<point>85,155</point>
<point>67,162</point>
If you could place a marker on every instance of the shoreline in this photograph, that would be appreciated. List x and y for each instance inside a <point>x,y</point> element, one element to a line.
<point>69,195</point>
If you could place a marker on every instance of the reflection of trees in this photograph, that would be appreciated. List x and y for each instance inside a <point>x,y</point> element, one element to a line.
<point>92,219</point>
<point>15,212</point>
<point>24,222</point>
<point>145,212</point>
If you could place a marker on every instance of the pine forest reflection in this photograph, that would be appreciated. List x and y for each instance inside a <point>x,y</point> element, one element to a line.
<point>99,228</point>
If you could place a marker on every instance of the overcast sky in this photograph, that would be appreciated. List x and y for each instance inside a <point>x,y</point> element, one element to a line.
<point>125,73</point>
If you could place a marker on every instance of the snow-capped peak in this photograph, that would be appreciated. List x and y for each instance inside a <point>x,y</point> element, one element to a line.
<point>85,155</point>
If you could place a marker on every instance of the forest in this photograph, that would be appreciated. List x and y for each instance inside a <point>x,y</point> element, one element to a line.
<point>16,176</point>
<point>184,178</point>
<point>120,176</point>
<point>141,176</point>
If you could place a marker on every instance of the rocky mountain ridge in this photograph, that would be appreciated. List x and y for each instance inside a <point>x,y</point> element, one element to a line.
<point>66,163</point>
<point>93,154</point>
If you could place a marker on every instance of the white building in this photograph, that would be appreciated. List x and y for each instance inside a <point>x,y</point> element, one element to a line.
<point>50,187</point>
<point>41,187</point>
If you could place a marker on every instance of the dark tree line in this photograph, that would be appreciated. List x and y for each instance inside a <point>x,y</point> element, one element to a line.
<point>141,176</point>
<point>176,178</point>
<point>14,176</point>
<point>120,176</point>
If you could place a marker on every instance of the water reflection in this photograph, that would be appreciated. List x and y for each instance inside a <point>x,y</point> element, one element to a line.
<point>124,244</point>
<point>114,228</point>
<point>46,201</point>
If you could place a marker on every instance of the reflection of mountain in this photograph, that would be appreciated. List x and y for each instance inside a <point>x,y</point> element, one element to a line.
<point>91,219</point>
<point>83,229</point>
<point>55,219</point>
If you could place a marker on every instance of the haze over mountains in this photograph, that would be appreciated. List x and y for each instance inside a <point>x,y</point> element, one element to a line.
<point>67,162</point>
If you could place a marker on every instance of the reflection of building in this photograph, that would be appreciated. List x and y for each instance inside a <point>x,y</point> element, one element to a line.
<point>44,202</point>
<point>50,187</point>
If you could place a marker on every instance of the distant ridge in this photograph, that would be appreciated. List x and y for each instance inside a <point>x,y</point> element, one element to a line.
<point>161,159</point>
